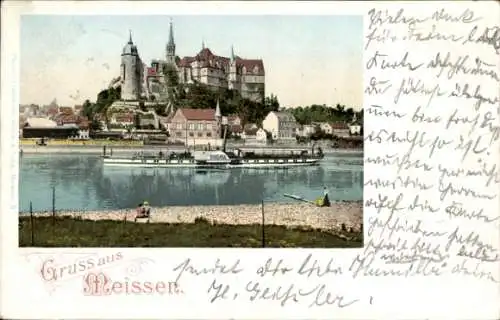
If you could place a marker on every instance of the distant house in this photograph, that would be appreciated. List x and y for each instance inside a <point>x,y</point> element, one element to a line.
<point>355,128</point>
<point>165,121</point>
<point>282,125</point>
<point>46,128</point>
<point>340,129</point>
<point>250,126</point>
<point>122,120</point>
<point>306,130</point>
<point>78,109</point>
<point>196,126</point>
<point>326,127</point>
<point>254,135</point>
<point>66,111</point>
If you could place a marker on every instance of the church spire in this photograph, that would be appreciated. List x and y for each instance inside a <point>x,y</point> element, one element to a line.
<point>232,53</point>
<point>130,36</point>
<point>202,43</point>
<point>171,45</point>
<point>171,34</point>
<point>217,110</point>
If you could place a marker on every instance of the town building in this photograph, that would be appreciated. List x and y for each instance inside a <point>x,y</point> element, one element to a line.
<point>257,136</point>
<point>281,124</point>
<point>196,126</point>
<point>355,126</point>
<point>37,127</point>
<point>122,120</point>
<point>247,76</point>
<point>306,130</point>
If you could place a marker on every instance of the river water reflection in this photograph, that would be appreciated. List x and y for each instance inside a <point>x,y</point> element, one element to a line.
<point>82,182</point>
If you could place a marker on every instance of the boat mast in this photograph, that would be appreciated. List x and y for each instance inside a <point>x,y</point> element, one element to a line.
<point>224,138</point>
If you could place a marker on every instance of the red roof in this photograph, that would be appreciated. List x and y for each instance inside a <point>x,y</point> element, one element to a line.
<point>66,110</point>
<point>52,111</point>
<point>208,59</point>
<point>151,72</point>
<point>198,114</point>
<point>236,128</point>
<point>251,64</point>
<point>186,61</point>
<point>339,125</point>
<point>124,117</point>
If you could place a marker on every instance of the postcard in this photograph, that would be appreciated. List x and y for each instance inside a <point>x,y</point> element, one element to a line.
<point>274,160</point>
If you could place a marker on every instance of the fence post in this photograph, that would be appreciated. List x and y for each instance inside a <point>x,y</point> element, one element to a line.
<point>53,205</point>
<point>32,225</point>
<point>263,227</point>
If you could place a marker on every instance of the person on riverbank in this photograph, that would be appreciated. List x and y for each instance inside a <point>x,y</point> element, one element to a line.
<point>323,201</point>
<point>143,211</point>
<point>326,200</point>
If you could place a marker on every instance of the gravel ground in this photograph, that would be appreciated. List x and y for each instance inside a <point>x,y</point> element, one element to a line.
<point>340,215</point>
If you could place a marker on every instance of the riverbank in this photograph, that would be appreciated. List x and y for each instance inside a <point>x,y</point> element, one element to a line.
<point>286,225</point>
<point>341,216</point>
<point>70,232</point>
<point>122,150</point>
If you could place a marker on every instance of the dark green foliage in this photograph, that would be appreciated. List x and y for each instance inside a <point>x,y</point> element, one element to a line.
<point>323,113</point>
<point>71,232</point>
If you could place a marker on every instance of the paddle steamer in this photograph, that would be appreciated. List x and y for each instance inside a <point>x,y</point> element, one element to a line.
<point>218,159</point>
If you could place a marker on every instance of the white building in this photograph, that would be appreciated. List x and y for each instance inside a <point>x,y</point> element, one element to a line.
<point>339,129</point>
<point>355,128</point>
<point>281,125</point>
<point>306,130</point>
<point>257,136</point>
<point>326,127</point>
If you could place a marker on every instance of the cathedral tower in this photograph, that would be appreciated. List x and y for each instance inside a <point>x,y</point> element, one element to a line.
<point>171,46</point>
<point>233,72</point>
<point>131,74</point>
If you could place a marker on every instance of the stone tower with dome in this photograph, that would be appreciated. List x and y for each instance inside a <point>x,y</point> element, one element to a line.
<point>131,72</point>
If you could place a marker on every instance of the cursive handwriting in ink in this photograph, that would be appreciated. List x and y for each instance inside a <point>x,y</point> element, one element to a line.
<point>464,92</point>
<point>218,291</point>
<point>456,209</point>
<point>378,87</point>
<point>284,294</point>
<point>490,36</point>
<point>381,17</point>
<point>416,34</point>
<point>309,268</point>
<point>398,182</point>
<point>459,65</point>
<point>379,61</point>
<point>268,268</point>
<point>379,111</point>
<point>411,86</point>
<point>218,268</point>
<point>419,116</point>
<point>324,297</point>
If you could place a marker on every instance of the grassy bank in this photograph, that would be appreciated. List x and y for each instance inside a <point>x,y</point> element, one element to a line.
<point>70,232</point>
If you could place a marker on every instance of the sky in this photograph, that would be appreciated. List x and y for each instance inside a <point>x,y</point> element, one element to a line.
<point>308,59</point>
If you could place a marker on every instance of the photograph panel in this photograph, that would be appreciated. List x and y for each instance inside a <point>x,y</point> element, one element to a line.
<point>151,131</point>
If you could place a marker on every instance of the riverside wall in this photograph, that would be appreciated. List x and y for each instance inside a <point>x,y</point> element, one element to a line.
<point>341,215</point>
<point>123,150</point>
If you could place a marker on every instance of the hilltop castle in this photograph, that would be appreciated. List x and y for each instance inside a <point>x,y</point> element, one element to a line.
<point>140,82</point>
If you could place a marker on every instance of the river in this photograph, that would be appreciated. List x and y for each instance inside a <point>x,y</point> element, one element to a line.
<point>81,182</point>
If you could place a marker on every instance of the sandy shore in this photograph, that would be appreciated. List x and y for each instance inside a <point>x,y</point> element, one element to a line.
<point>341,215</point>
